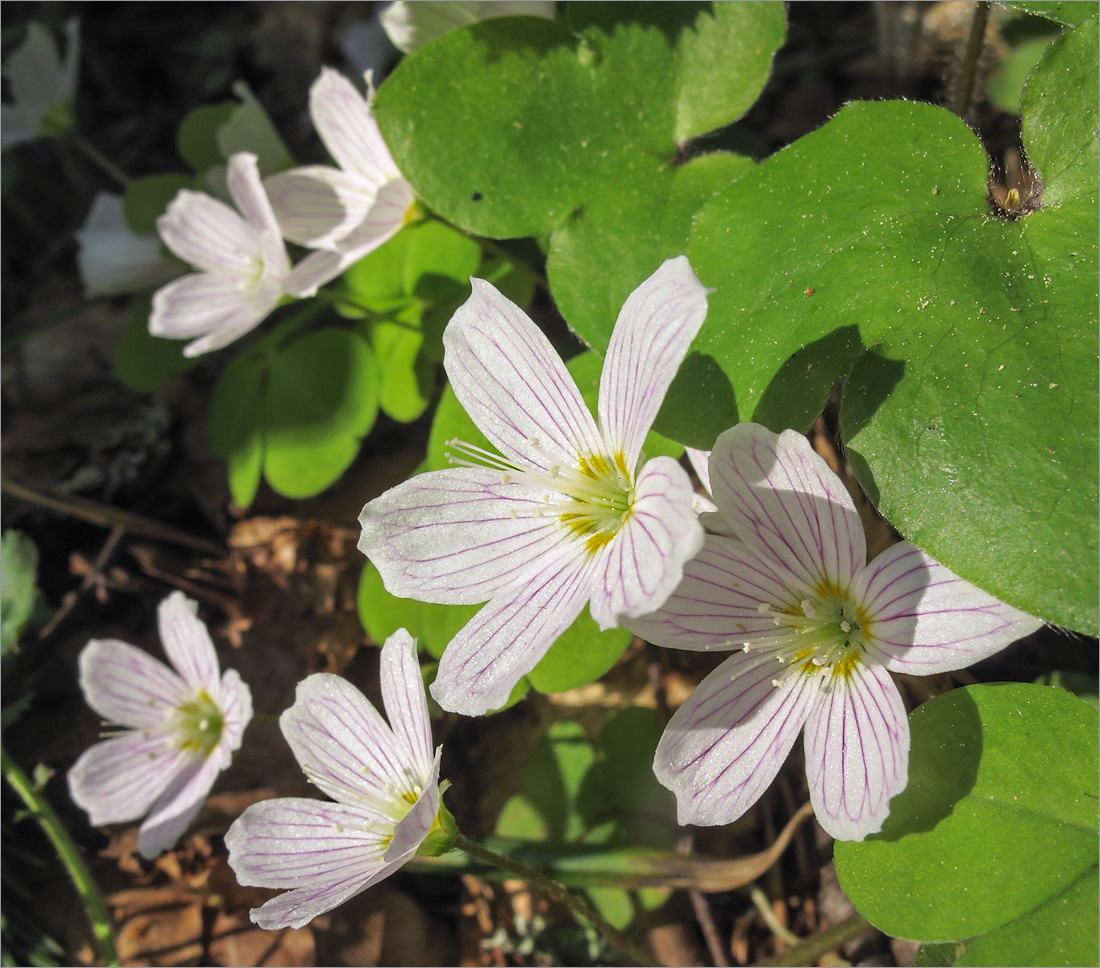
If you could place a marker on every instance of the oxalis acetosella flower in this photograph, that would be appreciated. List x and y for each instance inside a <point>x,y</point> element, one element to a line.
<point>178,729</point>
<point>244,269</point>
<point>384,779</point>
<point>816,630</point>
<point>568,513</point>
<point>347,212</point>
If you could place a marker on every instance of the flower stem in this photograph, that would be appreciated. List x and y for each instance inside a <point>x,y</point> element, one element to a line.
<point>965,90</point>
<point>69,854</point>
<point>93,154</point>
<point>809,951</point>
<point>560,892</point>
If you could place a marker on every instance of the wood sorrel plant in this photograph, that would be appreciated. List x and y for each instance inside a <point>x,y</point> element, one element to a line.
<point>863,263</point>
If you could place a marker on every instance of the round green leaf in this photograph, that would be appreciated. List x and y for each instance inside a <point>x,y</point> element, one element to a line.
<point>321,399</point>
<point>236,424</point>
<point>145,362</point>
<point>999,819</point>
<point>145,200</point>
<point>1068,12</point>
<point>381,613</point>
<point>867,250</point>
<point>520,127</point>
<point>197,138</point>
<point>581,655</point>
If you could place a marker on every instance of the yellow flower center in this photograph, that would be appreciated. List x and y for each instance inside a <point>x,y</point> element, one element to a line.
<point>199,724</point>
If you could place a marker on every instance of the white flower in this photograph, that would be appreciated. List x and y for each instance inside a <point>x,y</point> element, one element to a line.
<point>181,728</point>
<point>42,87</point>
<point>571,513</point>
<point>244,267</point>
<point>344,212</point>
<point>817,630</point>
<point>114,260</point>
<point>410,26</point>
<point>384,779</point>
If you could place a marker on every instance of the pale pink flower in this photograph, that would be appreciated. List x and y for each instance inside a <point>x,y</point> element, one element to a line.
<point>816,630</point>
<point>179,728</point>
<point>42,86</point>
<point>410,26</point>
<point>384,779</point>
<point>569,513</point>
<point>244,270</point>
<point>112,259</point>
<point>344,213</point>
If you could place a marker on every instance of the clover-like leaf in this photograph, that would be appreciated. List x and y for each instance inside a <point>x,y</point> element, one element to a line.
<point>995,838</point>
<point>520,126</point>
<point>868,251</point>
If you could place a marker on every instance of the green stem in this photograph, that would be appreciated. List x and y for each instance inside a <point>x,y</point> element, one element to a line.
<point>810,950</point>
<point>97,157</point>
<point>69,854</point>
<point>339,299</point>
<point>537,879</point>
<point>499,252</point>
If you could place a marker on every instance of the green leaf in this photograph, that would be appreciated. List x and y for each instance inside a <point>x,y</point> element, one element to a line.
<point>197,138</point>
<point>321,399</point>
<point>405,383</point>
<point>1068,12</point>
<point>581,655</point>
<point>520,127</point>
<point>381,613</point>
<point>867,250</point>
<point>998,826</point>
<point>18,587</point>
<point>249,128</point>
<point>236,423</point>
<point>145,200</point>
<point>1006,85</point>
<point>145,362</point>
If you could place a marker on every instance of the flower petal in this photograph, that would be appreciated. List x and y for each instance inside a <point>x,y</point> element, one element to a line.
<point>409,832</point>
<point>18,125</point>
<point>206,303</point>
<point>247,190</point>
<point>128,686</point>
<point>726,743</point>
<point>410,26</point>
<point>644,562</point>
<point>506,639</point>
<point>234,699</point>
<point>655,327</point>
<point>187,642</point>
<point>327,852</point>
<point>346,125</point>
<point>120,778</point>
<point>717,604</point>
<point>112,259</point>
<point>209,235</point>
<point>317,205</point>
<point>405,700</point>
<point>457,536</point>
<point>346,749</point>
<point>857,752</point>
<point>34,71</point>
<point>177,805</point>
<point>513,384</point>
<point>924,619</point>
<point>782,500</point>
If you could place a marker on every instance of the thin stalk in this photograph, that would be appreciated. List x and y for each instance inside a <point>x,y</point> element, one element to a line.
<point>809,951</point>
<point>969,73</point>
<point>537,879</point>
<point>69,854</point>
<point>99,159</point>
<point>337,300</point>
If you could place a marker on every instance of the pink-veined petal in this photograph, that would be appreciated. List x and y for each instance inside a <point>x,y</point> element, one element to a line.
<point>458,536</point>
<point>405,700</point>
<point>177,805</point>
<point>346,749</point>
<point>317,205</point>
<point>513,384</point>
<point>325,852</point>
<point>725,744</point>
<point>507,638</point>
<point>247,190</point>
<point>187,642</point>
<point>383,220</point>
<point>209,235</point>
<point>412,25</point>
<point>857,752</point>
<point>644,562</point>
<point>213,307</point>
<point>700,463</point>
<point>409,832</point>
<point>655,327</point>
<point>924,619</point>
<point>120,778</point>
<point>234,699</point>
<point>128,686</point>
<point>782,500</point>
<point>717,604</point>
<point>346,125</point>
